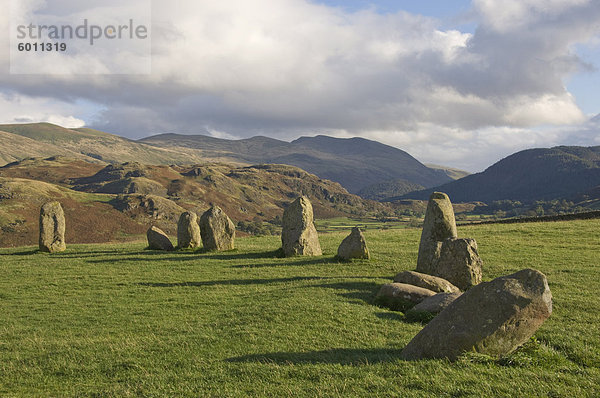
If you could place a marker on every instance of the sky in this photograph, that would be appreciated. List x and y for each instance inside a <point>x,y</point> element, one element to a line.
<point>457,83</point>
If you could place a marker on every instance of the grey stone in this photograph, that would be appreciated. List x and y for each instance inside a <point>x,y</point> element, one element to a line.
<point>436,303</point>
<point>217,230</point>
<point>188,231</point>
<point>434,283</point>
<point>52,228</point>
<point>459,263</point>
<point>298,234</point>
<point>158,240</point>
<point>354,246</point>
<point>439,225</point>
<point>492,318</point>
<point>400,296</point>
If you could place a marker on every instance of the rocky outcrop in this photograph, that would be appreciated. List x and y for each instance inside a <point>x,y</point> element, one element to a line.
<point>158,240</point>
<point>354,246</point>
<point>492,318</point>
<point>299,235</point>
<point>188,231</point>
<point>52,228</point>
<point>217,230</point>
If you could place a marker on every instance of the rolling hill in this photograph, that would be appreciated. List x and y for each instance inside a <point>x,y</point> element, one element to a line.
<point>354,162</point>
<point>111,202</point>
<point>45,139</point>
<point>561,172</point>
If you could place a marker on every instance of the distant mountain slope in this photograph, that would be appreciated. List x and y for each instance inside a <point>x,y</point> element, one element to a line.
<point>85,143</point>
<point>388,189</point>
<point>355,162</point>
<point>14,147</point>
<point>533,174</point>
<point>455,174</point>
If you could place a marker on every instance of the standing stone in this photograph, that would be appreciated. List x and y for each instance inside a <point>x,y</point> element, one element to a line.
<point>459,263</point>
<point>439,225</point>
<point>158,240</point>
<point>52,228</point>
<point>492,318</point>
<point>298,234</point>
<point>354,246</point>
<point>217,230</point>
<point>188,231</point>
<point>434,283</point>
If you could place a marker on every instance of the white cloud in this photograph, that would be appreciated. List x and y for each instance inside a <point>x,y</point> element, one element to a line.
<point>286,67</point>
<point>22,109</point>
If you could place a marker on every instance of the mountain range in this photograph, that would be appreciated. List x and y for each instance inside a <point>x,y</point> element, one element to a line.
<point>355,163</point>
<point>367,168</point>
<point>563,172</point>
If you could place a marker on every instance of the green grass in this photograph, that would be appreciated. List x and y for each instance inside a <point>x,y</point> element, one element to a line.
<point>346,224</point>
<point>117,320</point>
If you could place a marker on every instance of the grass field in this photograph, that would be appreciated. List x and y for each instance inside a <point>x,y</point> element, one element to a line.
<point>338,224</point>
<point>117,321</point>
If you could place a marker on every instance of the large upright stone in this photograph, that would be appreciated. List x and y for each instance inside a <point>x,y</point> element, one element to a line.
<point>188,231</point>
<point>459,263</point>
<point>217,230</point>
<point>354,246</point>
<point>52,228</point>
<point>492,318</point>
<point>299,235</point>
<point>158,240</point>
<point>439,225</point>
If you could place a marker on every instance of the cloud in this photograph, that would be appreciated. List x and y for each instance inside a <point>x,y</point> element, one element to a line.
<point>22,109</point>
<point>302,68</point>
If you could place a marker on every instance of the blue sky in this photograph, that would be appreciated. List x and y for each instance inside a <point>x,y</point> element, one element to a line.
<point>459,83</point>
<point>433,8</point>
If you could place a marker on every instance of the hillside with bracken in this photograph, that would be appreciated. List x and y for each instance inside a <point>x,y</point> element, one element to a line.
<point>120,201</point>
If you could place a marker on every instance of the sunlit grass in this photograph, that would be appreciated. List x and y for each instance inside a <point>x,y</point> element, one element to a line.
<point>118,320</point>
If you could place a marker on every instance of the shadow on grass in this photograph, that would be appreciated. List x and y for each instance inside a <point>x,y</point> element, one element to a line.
<point>290,262</point>
<point>232,282</point>
<point>199,254</point>
<point>233,255</point>
<point>89,253</point>
<point>391,316</point>
<point>23,253</point>
<point>342,356</point>
<point>362,291</point>
<point>69,253</point>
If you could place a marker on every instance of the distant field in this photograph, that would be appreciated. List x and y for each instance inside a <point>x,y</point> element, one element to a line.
<point>117,320</point>
<point>344,223</point>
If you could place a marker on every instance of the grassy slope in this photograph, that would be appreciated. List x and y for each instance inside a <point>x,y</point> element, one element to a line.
<point>97,144</point>
<point>102,320</point>
<point>14,147</point>
<point>455,174</point>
